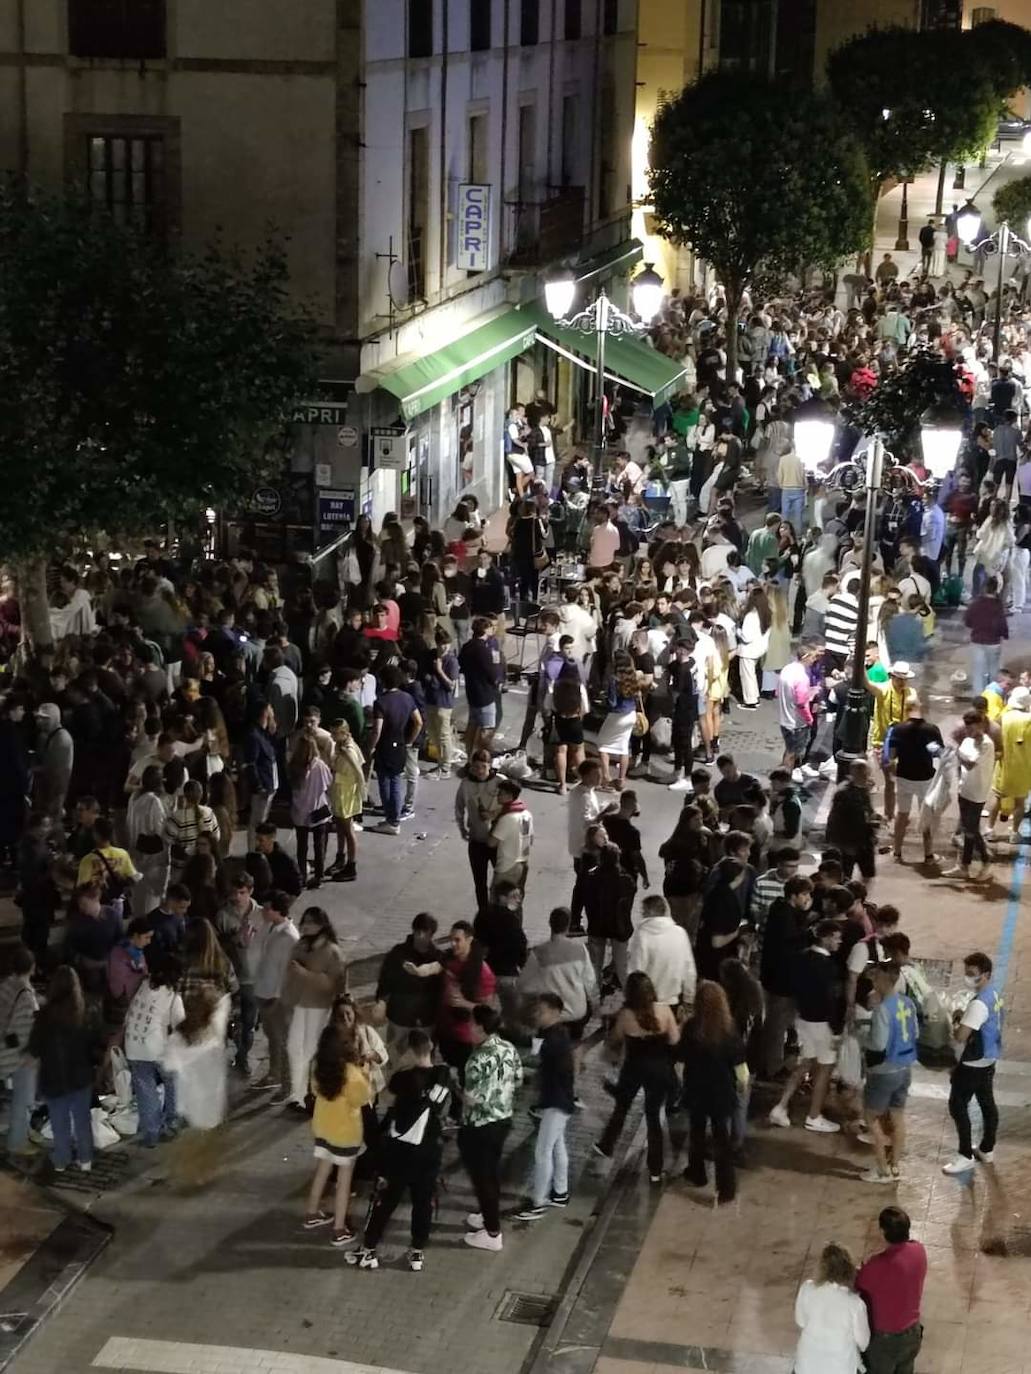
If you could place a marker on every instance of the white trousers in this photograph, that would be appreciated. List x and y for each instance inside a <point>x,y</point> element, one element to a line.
<point>302,1041</point>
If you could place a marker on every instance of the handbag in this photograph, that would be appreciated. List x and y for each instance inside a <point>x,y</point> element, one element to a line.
<point>320,815</point>
<point>640,720</point>
<point>541,561</point>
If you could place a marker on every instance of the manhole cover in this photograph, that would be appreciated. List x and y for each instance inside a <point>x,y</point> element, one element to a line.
<point>527,1309</point>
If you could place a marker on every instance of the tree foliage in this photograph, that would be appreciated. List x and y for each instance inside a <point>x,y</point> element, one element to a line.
<point>758,177</point>
<point>914,99</point>
<point>1003,52</point>
<point>893,409</point>
<point>135,386</point>
<point>1012,202</point>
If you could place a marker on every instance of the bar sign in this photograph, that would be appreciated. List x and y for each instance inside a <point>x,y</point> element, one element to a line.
<point>473,219</point>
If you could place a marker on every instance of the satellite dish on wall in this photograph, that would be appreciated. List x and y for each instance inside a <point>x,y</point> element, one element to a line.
<point>397,284</point>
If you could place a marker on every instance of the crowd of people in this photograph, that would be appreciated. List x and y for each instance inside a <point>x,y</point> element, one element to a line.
<point>189,712</point>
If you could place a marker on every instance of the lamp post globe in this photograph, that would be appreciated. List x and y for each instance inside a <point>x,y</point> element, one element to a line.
<point>559,293</point>
<point>814,433</point>
<point>941,433</point>
<point>968,222</point>
<point>647,290</point>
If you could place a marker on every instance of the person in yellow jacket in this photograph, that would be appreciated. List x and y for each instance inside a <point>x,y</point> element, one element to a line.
<point>341,1089</point>
<point>891,701</point>
<point>1011,781</point>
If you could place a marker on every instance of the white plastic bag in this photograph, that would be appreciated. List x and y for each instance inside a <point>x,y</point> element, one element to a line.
<point>121,1078</point>
<point>125,1121</point>
<point>104,1134</point>
<point>850,1061</point>
<point>662,733</point>
<point>514,765</point>
<point>352,569</point>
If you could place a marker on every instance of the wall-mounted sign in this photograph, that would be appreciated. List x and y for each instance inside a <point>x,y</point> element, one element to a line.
<point>320,413</point>
<point>388,447</point>
<point>323,475</point>
<point>472,245</point>
<point>266,501</point>
<point>336,512</point>
<point>347,436</point>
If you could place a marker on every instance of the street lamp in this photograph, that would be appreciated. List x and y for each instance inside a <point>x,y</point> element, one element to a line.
<point>1001,242</point>
<point>814,433</point>
<point>856,721</point>
<point>941,433</point>
<point>601,318</point>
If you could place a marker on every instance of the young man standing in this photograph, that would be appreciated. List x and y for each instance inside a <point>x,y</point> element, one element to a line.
<point>396,724</point>
<point>817,1002</point>
<point>482,669</point>
<point>891,1284</point>
<point>784,936</point>
<point>476,805</point>
<point>241,932</point>
<point>276,951</point>
<point>584,809</point>
<point>493,1072</point>
<point>913,747</point>
<point>979,1041</point>
<point>795,693</point>
<point>976,759</point>
<point>550,1187</point>
<point>511,836</point>
<point>890,1056</point>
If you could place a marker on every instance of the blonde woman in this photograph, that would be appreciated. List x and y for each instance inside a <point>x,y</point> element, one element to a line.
<point>778,646</point>
<point>832,1318</point>
<point>718,682</point>
<point>346,799</point>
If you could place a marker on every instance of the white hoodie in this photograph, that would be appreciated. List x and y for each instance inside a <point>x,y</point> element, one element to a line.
<point>661,949</point>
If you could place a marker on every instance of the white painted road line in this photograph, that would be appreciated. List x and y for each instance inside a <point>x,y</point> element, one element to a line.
<point>176,1357</point>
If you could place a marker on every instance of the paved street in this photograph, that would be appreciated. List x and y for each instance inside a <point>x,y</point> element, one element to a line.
<point>644,1282</point>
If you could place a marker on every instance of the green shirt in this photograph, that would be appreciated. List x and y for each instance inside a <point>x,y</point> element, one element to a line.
<point>492,1074</point>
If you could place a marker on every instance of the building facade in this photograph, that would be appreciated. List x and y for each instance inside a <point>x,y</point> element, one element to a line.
<point>426,161</point>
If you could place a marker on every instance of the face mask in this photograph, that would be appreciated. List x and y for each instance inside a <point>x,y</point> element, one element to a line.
<point>970,979</point>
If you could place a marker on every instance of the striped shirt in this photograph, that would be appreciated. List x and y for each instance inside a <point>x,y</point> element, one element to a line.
<point>768,887</point>
<point>839,626</point>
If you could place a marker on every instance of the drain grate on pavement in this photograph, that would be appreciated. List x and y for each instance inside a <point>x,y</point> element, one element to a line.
<point>526,1309</point>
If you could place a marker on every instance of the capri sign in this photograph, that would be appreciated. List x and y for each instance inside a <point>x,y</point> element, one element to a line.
<point>473,220</point>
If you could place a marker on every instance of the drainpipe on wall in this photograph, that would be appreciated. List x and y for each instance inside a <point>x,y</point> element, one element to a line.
<point>444,184</point>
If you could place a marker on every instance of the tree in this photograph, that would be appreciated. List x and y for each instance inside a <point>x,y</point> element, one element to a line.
<point>893,409</point>
<point>758,177</point>
<point>1013,203</point>
<point>1003,51</point>
<point>135,385</point>
<point>898,90</point>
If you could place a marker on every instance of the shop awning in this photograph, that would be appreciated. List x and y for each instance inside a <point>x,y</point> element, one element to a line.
<point>628,361</point>
<point>421,381</point>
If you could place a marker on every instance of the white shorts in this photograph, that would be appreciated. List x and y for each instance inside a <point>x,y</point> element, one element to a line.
<point>908,792</point>
<point>816,1041</point>
<point>520,462</point>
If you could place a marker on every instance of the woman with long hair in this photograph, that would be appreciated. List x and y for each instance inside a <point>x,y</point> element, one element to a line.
<point>778,644</point>
<point>222,800</point>
<point>753,637</point>
<point>310,811</point>
<point>647,1032</point>
<point>154,1012</point>
<point>196,1054</point>
<point>832,1316</point>
<point>341,1089</point>
<point>315,975</point>
<point>714,1068</point>
<point>745,999</point>
<point>995,541</point>
<point>624,702</point>
<point>206,962</point>
<point>200,875</point>
<point>62,1047</point>
<point>347,800</point>
<point>718,678</point>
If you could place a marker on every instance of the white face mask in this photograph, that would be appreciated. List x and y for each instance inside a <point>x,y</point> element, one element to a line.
<point>971,980</point>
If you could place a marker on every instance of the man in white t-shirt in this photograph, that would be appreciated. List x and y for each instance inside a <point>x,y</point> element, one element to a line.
<point>604,547</point>
<point>976,757</point>
<point>978,1033</point>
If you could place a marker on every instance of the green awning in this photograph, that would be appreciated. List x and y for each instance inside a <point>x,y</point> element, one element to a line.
<point>628,361</point>
<point>421,381</point>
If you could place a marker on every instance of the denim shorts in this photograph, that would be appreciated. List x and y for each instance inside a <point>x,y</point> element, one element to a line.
<point>485,717</point>
<point>795,741</point>
<point>887,1091</point>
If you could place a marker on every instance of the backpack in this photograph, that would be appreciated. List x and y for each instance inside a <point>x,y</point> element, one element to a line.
<point>411,1120</point>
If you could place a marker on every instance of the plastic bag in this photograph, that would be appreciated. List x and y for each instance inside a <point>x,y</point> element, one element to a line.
<point>104,1134</point>
<point>514,765</point>
<point>936,1025</point>
<point>126,1121</point>
<point>850,1061</point>
<point>121,1078</point>
<point>662,733</point>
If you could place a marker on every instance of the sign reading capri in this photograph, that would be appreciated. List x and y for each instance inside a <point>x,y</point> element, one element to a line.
<point>473,245</point>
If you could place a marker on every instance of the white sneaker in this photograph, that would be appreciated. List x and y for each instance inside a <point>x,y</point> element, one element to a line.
<point>821,1125</point>
<point>875,1176</point>
<point>985,1156</point>
<point>474,1221</point>
<point>809,771</point>
<point>681,785</point>
<point>956,871</point>
<point>863,1138</point>
<point>779,1117</point>
<point>797,775</point>
<point>959,1165</point>
<point>483,1240</point>
<point>981,874</point>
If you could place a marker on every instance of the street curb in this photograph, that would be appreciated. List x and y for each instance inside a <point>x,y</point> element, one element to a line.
<point>546,1356</point>
<point>41,1285</point>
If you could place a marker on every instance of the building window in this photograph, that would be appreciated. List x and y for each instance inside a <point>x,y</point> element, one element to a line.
<point>530,22</point>
<point>418,210</point>
<point>478,155</point>
<point>984,14</point>
<point>127,176</point>
<point>479,25</point>
<point>132,29</point>
<point>420,28</point>
<point>574,19</point>
<point>610,17</point>
<point>570,108</point>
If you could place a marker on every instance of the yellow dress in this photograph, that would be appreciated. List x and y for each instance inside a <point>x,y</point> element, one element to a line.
<point>1012,776</point>
<point>347,790</point>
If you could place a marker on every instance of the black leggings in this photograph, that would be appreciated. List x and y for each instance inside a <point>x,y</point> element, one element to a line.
<point>320,834</point>
<point>696,1170</point>
<point>656,1081</point>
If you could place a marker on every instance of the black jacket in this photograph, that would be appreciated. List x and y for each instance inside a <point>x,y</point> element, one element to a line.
<point>817,987</point>
<point>273,871</point>
<point>410,1001</point>
<point>556,1069</point>
<point>504,940</point>
<point>64,1054</point>
<point>784,938</point>
<point>486,594</point>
